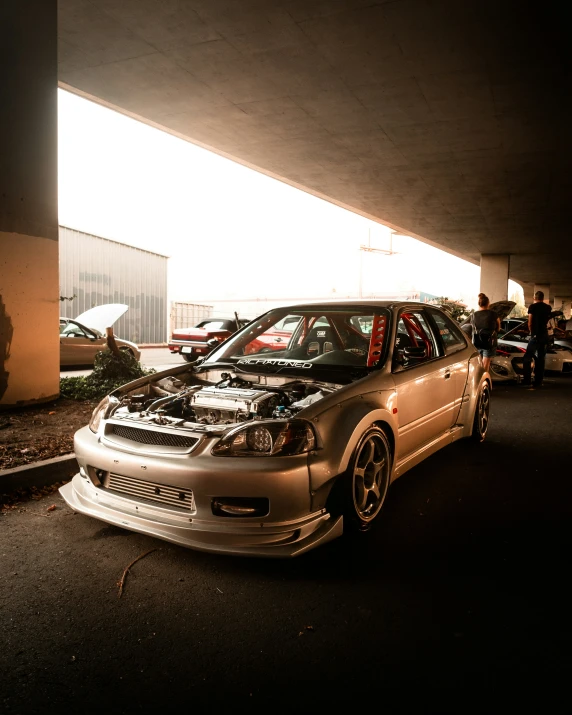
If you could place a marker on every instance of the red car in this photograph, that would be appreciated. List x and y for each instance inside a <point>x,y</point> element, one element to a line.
<point>193,343</point>
<point>276,339</point>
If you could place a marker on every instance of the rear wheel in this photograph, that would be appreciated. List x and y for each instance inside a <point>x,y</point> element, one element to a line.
<point>361,491</point>
<point>481,419</point>
<point>189,357</point>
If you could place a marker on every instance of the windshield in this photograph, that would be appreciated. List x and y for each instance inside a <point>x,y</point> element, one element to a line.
<point>309,338</point>
<point>518,334</point>
<point>74,330</point>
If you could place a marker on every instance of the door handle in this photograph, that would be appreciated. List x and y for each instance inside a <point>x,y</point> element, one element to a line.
<point>447,375</point>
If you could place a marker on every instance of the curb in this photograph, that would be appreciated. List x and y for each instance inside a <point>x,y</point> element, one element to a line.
<point>38,474</point>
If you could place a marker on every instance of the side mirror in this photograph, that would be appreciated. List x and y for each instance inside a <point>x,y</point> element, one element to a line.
<point>415,353</point>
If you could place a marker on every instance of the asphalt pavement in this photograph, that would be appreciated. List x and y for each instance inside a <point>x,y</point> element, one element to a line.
<point>158,358</point>
<point>458,601</point>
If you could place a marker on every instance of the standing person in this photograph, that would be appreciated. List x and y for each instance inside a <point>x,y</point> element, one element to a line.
<point>538,317</point>
<point>486,325</point>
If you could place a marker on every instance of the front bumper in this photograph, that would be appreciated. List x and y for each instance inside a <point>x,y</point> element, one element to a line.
<point>279,540</point>
<point>291,526</point>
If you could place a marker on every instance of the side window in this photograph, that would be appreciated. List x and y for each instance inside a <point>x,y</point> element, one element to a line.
<point>414,340</point>
<point>451,334</point>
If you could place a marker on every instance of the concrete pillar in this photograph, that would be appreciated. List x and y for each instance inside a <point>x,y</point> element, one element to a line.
<point>545,288</point>
<point>528,291</point>
<point>29,285</point>
<point>494,275</point>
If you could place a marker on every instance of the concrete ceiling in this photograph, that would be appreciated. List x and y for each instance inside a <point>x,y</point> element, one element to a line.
<point>447,119</point>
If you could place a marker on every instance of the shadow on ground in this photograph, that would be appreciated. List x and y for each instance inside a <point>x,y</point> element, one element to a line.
<point>461,590</point>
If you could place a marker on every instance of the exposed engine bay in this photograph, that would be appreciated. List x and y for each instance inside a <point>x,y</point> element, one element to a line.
<point>230,400</point>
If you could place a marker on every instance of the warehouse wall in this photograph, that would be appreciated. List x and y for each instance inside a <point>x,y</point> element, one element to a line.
<point>98,271</point>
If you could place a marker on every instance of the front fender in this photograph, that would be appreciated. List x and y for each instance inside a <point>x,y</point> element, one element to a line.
<point>340,428</point>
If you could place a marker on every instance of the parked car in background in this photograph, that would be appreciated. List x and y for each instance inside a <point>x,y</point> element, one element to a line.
<point>506,365</point>
<point>561,337</point>
<point>558,357</point>
<point>274,453</point>
<point>83,337</point>
<point>200,340</point>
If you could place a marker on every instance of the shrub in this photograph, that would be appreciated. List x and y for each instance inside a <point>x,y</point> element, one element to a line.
<point>110,371</point>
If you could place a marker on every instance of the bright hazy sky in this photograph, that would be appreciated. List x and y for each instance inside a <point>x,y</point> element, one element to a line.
<point>230,232</point>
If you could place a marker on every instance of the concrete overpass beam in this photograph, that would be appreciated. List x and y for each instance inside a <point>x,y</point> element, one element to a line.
<point>545,288</point>
<point>29,284</point>
<point>494,275</point>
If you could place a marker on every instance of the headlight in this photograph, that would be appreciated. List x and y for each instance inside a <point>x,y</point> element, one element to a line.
<point>267,439</point>
<point>98,414</point>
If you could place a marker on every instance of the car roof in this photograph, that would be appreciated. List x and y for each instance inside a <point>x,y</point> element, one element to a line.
<point>355,303</point>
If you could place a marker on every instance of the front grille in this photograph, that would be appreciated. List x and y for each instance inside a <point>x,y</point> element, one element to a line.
<point>150,491</point>
<point>145,436</point>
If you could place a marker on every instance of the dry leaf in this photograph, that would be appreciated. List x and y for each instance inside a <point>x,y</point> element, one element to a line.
<point>51,508</point>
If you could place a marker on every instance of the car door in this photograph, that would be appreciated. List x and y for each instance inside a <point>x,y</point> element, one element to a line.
<point>425,390</point>
<point>454,343</point>
<point>77,346</point>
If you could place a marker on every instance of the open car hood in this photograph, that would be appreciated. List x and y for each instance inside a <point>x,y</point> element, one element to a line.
<point>502,308</point>
<point>102,316</point>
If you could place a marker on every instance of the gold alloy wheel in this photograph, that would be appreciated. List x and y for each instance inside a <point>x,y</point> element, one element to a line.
<point>370,477</point>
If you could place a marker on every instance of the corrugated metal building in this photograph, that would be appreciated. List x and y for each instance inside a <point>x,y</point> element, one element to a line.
<point>185,315</point>
<point>97,271</point>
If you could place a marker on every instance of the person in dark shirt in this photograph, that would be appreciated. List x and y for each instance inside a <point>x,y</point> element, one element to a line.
<point>486,319</point>
<point>538,317</point>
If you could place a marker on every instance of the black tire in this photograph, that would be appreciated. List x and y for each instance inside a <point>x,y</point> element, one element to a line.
<point>359,494</point>
<point>189,358</point>
<point>481,418</point>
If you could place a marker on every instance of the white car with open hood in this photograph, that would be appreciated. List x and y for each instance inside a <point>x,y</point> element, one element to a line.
<point>265,453</point>
<point>83,337</point>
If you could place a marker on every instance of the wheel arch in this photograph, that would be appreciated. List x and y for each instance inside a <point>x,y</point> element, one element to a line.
<point>345,428</point>
<point>386,427</point>
<point>378,417</point>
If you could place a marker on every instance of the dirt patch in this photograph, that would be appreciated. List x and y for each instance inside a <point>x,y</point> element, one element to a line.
<point>14,500</point>
<point>37,432</point>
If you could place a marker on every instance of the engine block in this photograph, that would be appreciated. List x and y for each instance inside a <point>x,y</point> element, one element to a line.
<point>214,405</point>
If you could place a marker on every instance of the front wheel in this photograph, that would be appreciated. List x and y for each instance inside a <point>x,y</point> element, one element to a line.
<point>481,419</point>
<point>361,491</point>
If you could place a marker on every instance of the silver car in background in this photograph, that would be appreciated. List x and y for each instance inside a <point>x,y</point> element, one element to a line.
<point>273,453</point>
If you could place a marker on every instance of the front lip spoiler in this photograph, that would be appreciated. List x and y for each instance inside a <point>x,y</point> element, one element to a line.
<point>308,535</point>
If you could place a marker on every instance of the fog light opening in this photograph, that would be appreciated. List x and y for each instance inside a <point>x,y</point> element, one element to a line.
<point>240,506</point>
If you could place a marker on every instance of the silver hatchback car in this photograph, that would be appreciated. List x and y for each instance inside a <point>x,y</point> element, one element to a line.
<point>270,448</point>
